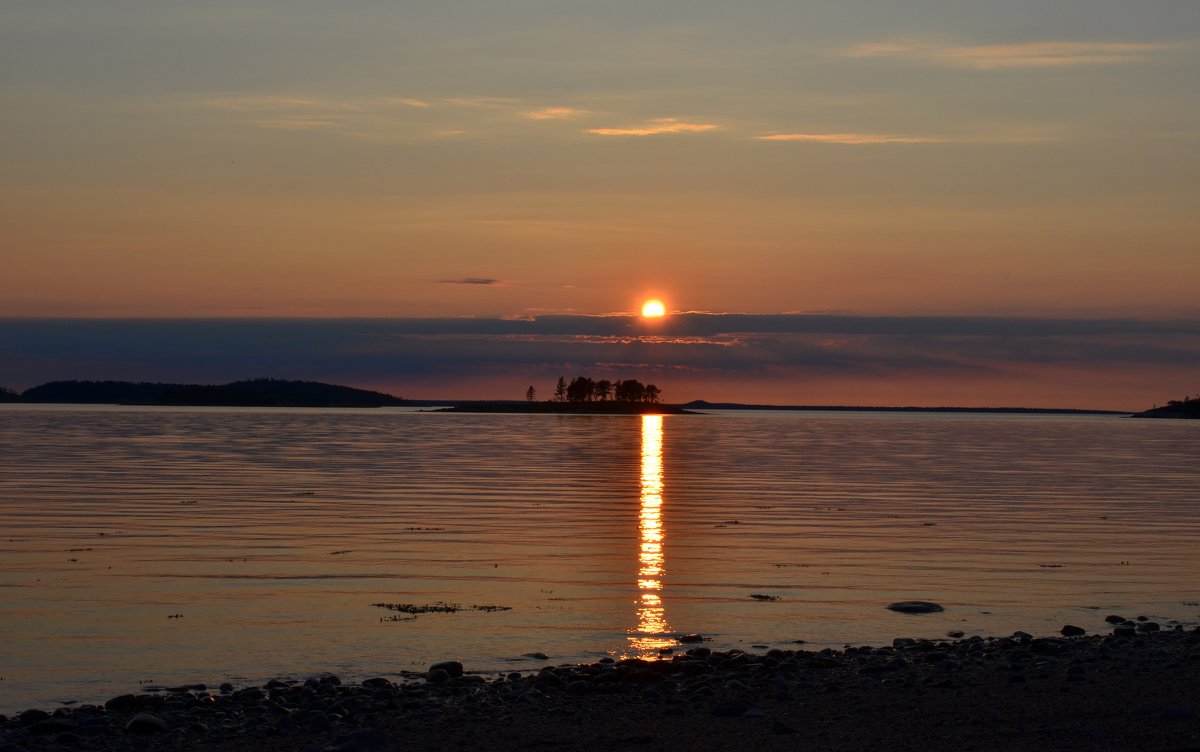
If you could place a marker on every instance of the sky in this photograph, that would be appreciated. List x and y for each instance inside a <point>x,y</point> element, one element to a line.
<point>192,165</point>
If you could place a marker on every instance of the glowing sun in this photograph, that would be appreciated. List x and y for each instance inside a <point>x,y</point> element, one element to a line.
<point>653,309</point>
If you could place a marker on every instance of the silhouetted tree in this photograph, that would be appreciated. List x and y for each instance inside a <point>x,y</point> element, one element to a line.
<point>530,394</point>
<point>560,390</point>
<point>652,394</point>
<point>580,389</point>
<point>602,389</point>
<point>629,390</point>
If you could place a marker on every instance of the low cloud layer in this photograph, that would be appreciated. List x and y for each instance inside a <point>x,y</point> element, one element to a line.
<point>744,357</point>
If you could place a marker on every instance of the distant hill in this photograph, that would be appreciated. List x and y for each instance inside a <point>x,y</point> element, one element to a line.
<point>8,395</point>
<point>1186,408</point>
<point>250,393</point>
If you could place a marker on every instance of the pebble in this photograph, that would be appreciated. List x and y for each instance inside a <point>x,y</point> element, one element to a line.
<point>724,684</point>
<point>146,723</point>
<point>1070,630</point>
<point>453,668</point>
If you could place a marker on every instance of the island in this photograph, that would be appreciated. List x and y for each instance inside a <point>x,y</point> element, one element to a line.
<point>1186,408</point>
<point>248,393</point>
<point>609,407</point>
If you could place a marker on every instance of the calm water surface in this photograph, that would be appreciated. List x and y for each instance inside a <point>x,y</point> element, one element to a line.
<point>162,546</point>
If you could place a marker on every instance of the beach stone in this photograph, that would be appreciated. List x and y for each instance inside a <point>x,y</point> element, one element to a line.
<point>437,676</point>
<point>915,607</point>
<point>1022,637</point>
<point>689,638</point>
<point>1148,626</point>
<point>729,709</point>
<point>145,723</point>
<point>1070,630</point>
<point>547,678</point>
<point>537,656</point>
<point>226,687</point>
<point>1114,619</point>
<point>367,740</point>
<point>52,726</point>
<point>453,668</point>
<point>30,717</point>
<point>377,682</point>
<point>955,634</point>
<point>1126,629</point>
<point>579,687</point>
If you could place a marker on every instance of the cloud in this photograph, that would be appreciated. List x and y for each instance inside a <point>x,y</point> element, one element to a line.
<point>485,102</point>
<point>263,102</point>
<point>554,113</point>
<point>656,127</point>
<point>1005,56</point>
<point>470,281</point>
<point>301,124</point>
<point>1012,135</point>
<point>759,352</point>
<point>850,138</point>
<point>407,102</point>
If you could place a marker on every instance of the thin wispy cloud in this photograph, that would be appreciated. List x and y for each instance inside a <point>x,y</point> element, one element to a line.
<point>1013,135</point>
<point>850,138</point>
<point>554,113</point>
<point>408,102</point>
<point>301,124</point>
<point>482,101</point>
<point>1021,55</point>
<point>470,281</point>
<point>656,127</point>
<point>267,102</point>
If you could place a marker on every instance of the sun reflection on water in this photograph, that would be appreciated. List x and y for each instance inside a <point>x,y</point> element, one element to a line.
<point>652,628</point>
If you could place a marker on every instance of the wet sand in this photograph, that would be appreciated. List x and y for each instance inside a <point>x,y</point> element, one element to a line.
<point>1127,691</point>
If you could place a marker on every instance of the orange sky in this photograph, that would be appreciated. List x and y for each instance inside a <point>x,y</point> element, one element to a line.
<point>453,159</point>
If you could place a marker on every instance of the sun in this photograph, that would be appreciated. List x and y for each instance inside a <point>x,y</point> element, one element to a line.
<point>653,309</point>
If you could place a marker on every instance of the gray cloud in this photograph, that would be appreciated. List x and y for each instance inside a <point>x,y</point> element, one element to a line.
<point>399,352</point>
<point>470,281</point>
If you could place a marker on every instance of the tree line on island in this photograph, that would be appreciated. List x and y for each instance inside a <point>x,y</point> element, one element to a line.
<point>583,389</point>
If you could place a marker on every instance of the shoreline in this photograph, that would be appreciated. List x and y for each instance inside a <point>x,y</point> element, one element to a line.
<point>1137,688</point>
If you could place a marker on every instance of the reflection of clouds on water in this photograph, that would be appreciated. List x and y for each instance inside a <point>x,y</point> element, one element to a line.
<point>650,634</point>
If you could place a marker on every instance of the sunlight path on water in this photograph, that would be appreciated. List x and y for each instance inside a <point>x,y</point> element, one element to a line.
<point>652,628</point>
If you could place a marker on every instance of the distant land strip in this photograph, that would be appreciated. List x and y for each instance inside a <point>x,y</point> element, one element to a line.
<point>704,405</point>
<point>267,392</point>
<point>248,393</point>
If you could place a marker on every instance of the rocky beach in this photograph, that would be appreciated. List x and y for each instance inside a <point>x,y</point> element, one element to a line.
<point>1136,688</point>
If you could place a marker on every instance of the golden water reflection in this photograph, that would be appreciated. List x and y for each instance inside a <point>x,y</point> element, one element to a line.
<point>652,629</point>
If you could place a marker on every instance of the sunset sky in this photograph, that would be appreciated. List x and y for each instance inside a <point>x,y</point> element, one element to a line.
<point>904,201</point>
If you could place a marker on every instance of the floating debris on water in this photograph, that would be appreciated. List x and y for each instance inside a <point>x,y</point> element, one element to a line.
<point>764,597</point>
<point>439,607</point>
<point>339,553</point>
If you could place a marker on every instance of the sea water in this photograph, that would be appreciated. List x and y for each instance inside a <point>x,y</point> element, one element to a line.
<point>150,547</point>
